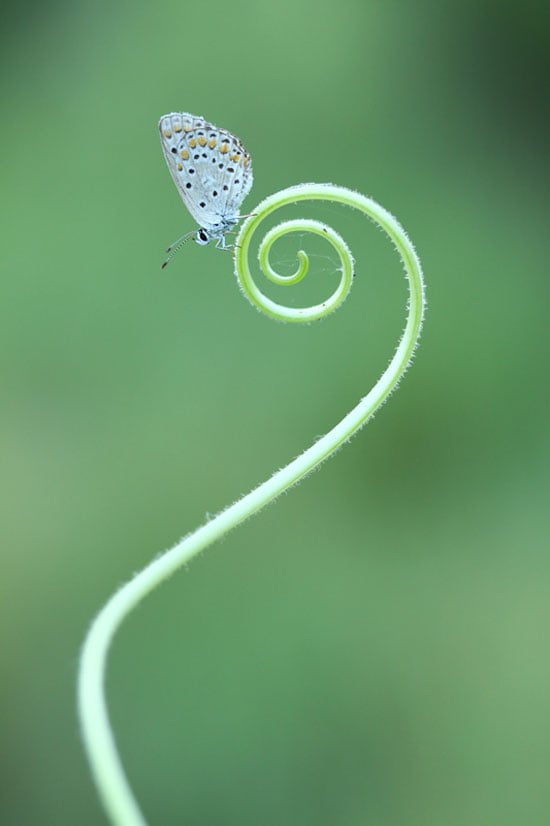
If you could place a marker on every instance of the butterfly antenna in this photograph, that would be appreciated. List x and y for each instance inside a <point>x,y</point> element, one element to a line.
<point>176,246</point>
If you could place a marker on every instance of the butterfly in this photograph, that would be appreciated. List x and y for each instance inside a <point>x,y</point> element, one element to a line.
<point>212,171</point>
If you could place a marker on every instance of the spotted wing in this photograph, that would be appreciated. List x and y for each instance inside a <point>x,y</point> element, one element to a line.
<point>210,167</point>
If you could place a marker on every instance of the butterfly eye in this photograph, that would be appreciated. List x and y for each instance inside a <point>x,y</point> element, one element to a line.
<point>202,237</point>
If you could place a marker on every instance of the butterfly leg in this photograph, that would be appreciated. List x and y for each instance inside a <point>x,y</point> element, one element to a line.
<point>221,243</point>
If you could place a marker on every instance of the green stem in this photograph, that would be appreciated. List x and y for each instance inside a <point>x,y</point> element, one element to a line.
<point>107,769</point>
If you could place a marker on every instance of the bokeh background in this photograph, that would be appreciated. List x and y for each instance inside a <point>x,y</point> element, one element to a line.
<point>373,649</point>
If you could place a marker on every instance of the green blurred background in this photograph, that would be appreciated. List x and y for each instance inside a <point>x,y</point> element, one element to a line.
<point>373,649</point>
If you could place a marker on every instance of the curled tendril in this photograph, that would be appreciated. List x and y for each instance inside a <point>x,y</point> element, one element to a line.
<point>258,298</point>
<point>293,195</point>
<point>106,766</point>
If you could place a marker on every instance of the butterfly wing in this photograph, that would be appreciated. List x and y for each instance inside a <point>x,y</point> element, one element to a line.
<point>210,167</point>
